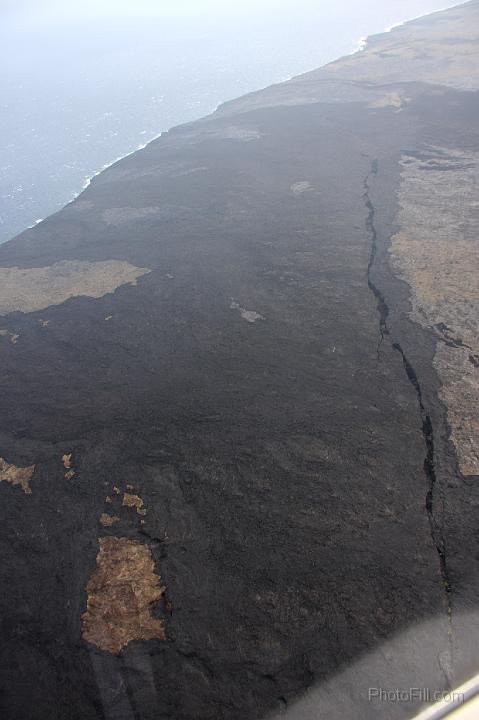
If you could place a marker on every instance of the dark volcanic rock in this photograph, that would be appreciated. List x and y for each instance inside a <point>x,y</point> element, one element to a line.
<point>236,381</point>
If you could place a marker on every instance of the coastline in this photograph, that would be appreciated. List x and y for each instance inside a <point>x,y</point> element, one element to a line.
<point>360,45</point>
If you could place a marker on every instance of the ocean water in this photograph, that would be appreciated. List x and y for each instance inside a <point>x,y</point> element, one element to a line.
<point>78,93</point>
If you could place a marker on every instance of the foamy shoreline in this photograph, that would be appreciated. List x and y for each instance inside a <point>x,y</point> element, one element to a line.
<point>364,40</point>
<point>108,165</point>
<point>361,45</point>
<point>89,178</point>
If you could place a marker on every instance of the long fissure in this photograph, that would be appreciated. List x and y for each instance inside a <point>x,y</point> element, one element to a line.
<point>383,309</point>
<point>429,469</point>
<point>426,422</point>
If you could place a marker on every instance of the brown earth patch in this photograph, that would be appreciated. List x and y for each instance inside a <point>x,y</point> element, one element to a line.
<point>121,215</point>
<point>121,594</point>
<point>67,460</point>
<point>108,520</point>
<point>30,289</point>
<point>134,501</point>
<point>436,252</point>
<point>16,475</point>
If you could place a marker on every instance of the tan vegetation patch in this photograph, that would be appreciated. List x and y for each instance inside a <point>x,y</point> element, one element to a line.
<point>392,99</point>
<point>16,475</point>
<point>202,133</point>
<point>233,132</point>
<point>81,205</point>
<point>13,337</point>
<point>67,460</point>
<point>120,215</point>
<point>460,394</point>
<point>445,277</point>
<point>250,316</point>
<point>108,520</point>
<point>67,464</point>
<point>134,501</point>
<point>298,188</point>
<point>30,289</point>
<point>121,594</point>
<point>437,252</point>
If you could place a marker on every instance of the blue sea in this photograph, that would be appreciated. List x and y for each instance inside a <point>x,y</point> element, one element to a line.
<point>78,92</point>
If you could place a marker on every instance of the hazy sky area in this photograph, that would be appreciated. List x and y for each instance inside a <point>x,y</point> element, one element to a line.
<point>83,83</point>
